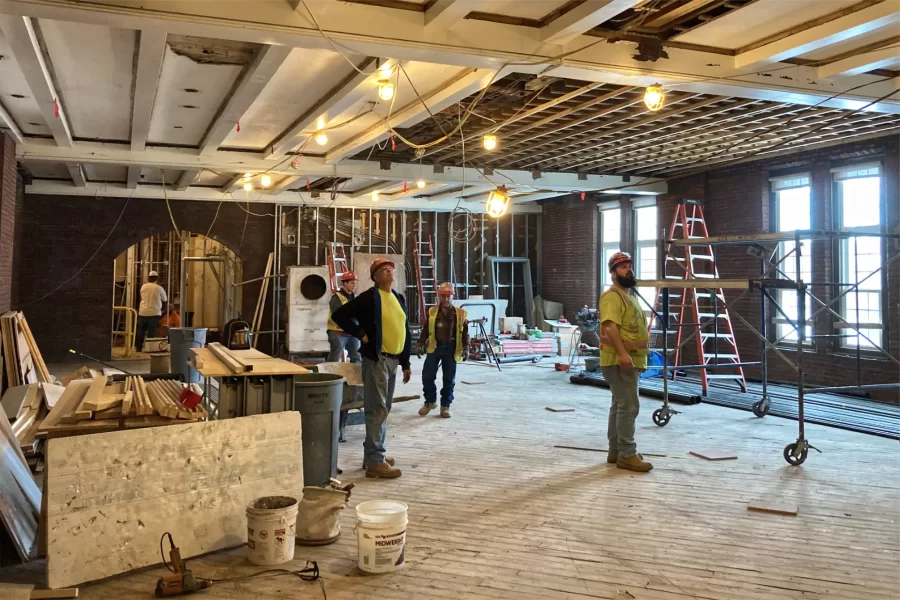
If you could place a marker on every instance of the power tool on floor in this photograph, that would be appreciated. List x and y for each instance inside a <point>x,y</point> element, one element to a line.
<point>181,581</point>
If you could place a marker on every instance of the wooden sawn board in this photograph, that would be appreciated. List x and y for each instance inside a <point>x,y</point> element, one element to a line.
<point>111,496</point>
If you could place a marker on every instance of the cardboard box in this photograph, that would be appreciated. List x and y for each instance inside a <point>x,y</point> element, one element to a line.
<point>508,324</point>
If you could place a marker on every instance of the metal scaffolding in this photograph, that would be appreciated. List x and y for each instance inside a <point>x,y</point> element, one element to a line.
<point>794,453</point>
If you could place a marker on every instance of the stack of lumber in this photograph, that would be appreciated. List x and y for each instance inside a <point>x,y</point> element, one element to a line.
<point>94,405</point>
<point>21,356</point>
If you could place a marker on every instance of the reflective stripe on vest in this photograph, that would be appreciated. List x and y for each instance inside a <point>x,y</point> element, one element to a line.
<point>637,344</point>
<point>332,326</point>
<point>460,323</point>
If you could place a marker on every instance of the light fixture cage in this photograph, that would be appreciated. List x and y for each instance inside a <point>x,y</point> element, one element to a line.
<point>321,138</point>
<point>490,142</point>
<point>385,90</point>
<point>654,97</point>
<point>498,202</point>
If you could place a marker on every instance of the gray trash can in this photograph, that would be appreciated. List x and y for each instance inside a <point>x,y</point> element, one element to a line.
<point>318,398</point>
<point>181,340</point>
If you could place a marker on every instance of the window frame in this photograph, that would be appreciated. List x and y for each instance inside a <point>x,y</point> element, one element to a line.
<point>638,245</point>
<point>838,345</point>
<point>605,280</point>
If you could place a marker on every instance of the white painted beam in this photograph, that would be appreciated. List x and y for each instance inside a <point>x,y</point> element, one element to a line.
<point>186,179</point>
<point>8,124</point>
<point>877,16</point>
<point>862,63</point>
<point>461,193</point>
<point>151,52</point>
<point>282,185</point>
<point>42,150</point>
<point>134,177</point>
<point>461,85</point>
<point>582,18</point>
<point>76,171</point>
<point>258,75</point>
<point>444,14</point>
<point>333,103</point>
<point>22,39</point>
<point>368,189</point>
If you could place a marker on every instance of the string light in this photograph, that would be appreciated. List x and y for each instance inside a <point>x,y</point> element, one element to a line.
<point>374,196</point>
<point>248,187</point>
<point>654,97</point>
<point>420,184</point>
<point>247,177</point>
<point>321,138</point>
<point>498,202</point>
<point>265,180</point>
<point>489,142</point>
<point>385,90</point>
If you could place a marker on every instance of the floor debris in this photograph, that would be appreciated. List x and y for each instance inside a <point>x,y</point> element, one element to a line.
<point>713,455</point>
<point>775,507</point>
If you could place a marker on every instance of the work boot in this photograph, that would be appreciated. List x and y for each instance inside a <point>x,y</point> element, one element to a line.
<point>429,406</point>
<point>383,471</point>
<point>634,463</point>
<point>445,412</point>
<point>389,460</point>
<point>612,457</point>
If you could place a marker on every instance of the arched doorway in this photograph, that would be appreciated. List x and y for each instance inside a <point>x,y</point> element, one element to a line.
<point>200,275</point>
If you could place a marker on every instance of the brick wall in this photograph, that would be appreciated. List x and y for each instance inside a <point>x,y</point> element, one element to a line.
<point>61,233</point>
<point>8,207</point>
<point>569,253</point>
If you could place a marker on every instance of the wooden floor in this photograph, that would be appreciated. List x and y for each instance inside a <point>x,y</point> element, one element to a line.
<point>497,512</point>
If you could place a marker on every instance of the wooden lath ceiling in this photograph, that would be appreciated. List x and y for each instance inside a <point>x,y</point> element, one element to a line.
<point>605,129</point>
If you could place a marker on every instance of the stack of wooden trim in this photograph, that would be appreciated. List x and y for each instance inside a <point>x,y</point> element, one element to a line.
<point>23,360</point>
<point>233,362</point>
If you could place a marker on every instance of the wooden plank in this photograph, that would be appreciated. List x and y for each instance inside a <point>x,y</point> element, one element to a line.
<point>713,455</point>
<point>44,374</point>
<point>70,399</point>
<point>774,506</point>
<point>162,408</point>
<point>106,401</point>
<point>18,497</point>
<point>225,357</point>
<point>62,594</point>
<point>210,366</point>
<point>127,399</point>
<point>14,397</point>
<point>15,591</point>
<point>52,394</point>
<point>92,396</point>
<point>10,354</point>
<point>110,413</point>
<point>101,523</point>
<point>80,373</point>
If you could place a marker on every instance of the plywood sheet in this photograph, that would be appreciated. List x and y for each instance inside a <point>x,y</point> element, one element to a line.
<point>111,496</point>
<point>210,366</point>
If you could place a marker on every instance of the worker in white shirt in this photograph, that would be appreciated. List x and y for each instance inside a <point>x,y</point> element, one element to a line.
<point>153,298</point>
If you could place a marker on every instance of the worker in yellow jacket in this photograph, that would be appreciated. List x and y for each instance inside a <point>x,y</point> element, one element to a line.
<point>338,339</point>
<point>624,340</point>
<point>445,339</point>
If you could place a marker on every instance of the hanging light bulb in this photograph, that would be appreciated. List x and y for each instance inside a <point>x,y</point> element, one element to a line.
<point>385,90</point>
<point>490,142</point>
<point>248,187</point>
<point>385,69</point>
<point>265,181</point>
<point>654,97</point>
<point>374,196</point>
<point>321,138</point>
<point>320,124</point>
<point>420,184</point>
<point>498,202</point>
<point>248,176</point>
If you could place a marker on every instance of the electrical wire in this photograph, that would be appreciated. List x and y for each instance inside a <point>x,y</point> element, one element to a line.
<point>162,173</point>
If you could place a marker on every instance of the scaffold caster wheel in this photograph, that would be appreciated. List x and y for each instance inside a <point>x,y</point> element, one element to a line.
<point>661,417</point>
<point>536,359</point>
<point>794,456</point>
<point>761,408</point>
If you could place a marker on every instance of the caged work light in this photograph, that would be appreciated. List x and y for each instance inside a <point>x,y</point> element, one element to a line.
<point>654,97</point>
<point>490,142</point>
<point>498,202</point>
<point>385,90</point>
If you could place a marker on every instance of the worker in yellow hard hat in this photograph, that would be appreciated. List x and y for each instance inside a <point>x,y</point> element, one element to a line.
<point>624,343</point>
<point>338,339</point>
<point>445,338</point>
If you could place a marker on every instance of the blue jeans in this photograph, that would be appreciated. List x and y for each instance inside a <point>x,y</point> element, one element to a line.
<point>379,379</point>
<point>339,341</point>
<point>623,410</point>
<point>146,327</point>
<point>441,357</point>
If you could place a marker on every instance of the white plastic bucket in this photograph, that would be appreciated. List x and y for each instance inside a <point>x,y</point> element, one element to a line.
<point>381,533</point>
<point>271,526</point>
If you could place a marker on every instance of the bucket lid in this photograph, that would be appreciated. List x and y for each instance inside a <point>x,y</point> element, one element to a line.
<point>380,511</point>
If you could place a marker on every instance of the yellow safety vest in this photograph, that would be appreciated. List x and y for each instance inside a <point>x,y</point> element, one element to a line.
<point>633,331</point>
<point>460,323</point>
<point>332,326</point>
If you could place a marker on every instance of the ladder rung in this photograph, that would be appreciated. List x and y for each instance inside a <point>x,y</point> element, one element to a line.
<point>720,355</point>
<point>720,315</point>
<point>668,332</point>
<point>704,275</point>
<point>716,335</point>
<point>674,258</point>
<point>724,376</point>
<point>695,219</point>
<point>701,256</point>
<point>661,350</point>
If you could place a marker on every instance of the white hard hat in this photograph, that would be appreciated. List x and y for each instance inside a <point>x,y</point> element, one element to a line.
<point>153,274</point>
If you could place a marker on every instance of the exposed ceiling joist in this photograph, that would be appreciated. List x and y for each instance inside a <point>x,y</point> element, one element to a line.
<point>368,189</point>
<point>76,171</point>
<point>231,183</point>
<point>151,52</point>
<point>8,124</point>
<point>186,179</point>
<point>22,38</point>
<point>583,18</point>
<point>862,63</point>
<point>462,192</point>
<point>444,14</point>
<point>333,103</point>
<point>283,184</point>
<point>134,177</point>
<point>463,84</point>
<point>809,39</point>
<point>266,63</point>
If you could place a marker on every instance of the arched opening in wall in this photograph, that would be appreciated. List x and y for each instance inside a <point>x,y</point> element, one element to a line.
<point>200,280</point>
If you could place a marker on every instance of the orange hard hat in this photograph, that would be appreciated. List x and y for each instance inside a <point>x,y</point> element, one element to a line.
<point>348,276</point>
<point>445,289</point>
<point>619,258</point>
<point>380,262</point>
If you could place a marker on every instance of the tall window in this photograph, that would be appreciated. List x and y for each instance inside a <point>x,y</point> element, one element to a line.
<point>610,238</point>
<point>793,211</point>
<point>645,247</point>
<point>858,209</point>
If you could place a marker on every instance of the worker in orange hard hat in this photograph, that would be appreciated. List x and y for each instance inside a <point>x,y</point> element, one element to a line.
<point>624,341</point>
<point>337,337</point>
<point>445,338</point>
<point>378,317</point>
